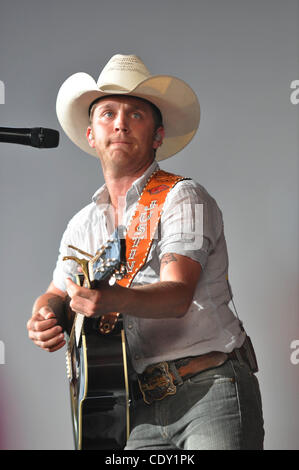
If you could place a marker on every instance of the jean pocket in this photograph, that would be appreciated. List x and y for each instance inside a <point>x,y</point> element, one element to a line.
<point>213,391</point>
<point>223,373</point>
<point>199,379</point>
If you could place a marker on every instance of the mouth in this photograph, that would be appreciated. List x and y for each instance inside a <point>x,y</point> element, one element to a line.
<point>120,142</point>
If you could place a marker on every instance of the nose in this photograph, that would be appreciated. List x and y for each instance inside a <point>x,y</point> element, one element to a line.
<point>120,123</point>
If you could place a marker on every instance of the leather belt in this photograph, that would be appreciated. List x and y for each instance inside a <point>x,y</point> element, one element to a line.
<point>160,380</point>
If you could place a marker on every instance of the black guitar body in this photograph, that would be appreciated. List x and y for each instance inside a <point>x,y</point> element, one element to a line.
<point>99,390</point>
<point>97,367</point>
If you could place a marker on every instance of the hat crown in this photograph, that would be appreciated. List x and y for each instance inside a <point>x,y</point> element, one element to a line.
<point>122,73</point>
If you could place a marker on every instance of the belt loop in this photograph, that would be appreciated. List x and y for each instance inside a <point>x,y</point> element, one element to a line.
<point>174,371</point>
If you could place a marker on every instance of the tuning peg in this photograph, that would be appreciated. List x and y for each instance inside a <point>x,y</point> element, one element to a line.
<point>112,280</point>
<point>101,250</point>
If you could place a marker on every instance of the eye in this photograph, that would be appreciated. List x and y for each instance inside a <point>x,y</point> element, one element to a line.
<point>108,114</point>
<point>136,115</point>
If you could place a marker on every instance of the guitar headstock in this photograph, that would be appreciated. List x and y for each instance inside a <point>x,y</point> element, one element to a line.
<point>107,264</point>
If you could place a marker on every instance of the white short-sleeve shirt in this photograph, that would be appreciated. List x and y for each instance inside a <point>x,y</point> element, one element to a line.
<point>191,225</point>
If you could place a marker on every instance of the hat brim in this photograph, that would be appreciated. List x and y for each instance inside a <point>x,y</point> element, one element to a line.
<point>176,100</point>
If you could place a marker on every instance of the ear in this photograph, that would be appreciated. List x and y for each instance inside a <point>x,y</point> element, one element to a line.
<point>90,138</point>
<point>158,137</point>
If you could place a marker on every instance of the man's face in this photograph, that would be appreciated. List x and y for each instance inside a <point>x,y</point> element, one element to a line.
<point>123,133</point>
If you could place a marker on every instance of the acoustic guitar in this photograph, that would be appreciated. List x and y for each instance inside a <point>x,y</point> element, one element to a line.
<point>97,365</point>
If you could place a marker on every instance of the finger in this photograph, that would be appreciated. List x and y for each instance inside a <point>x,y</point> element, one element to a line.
<point>73,289</point>
<point>43,313</point>
<point>38,324</point>
<point>79,304</point>
<point>48,334</point>
<point>58,346</point>
<point>51,346</point>
<point>89,304</point>
<point>57,340</point>
<point>46,312</point>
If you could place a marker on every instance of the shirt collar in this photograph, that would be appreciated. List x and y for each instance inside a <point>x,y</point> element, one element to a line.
<point>139,184</point>
<point>101,196</point>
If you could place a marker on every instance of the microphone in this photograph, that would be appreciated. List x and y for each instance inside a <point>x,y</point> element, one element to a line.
<point>36,136</point>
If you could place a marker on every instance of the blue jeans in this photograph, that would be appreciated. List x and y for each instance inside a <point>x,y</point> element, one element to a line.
<point>219,408</point>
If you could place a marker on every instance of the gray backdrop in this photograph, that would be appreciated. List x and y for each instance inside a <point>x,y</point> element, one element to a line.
<point>241,58</point>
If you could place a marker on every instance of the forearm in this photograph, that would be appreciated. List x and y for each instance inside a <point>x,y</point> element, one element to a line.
<point>166,299</point>
<point>55,303</point>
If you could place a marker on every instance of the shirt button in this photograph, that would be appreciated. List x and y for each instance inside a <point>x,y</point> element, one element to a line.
<point>136,357</point>
<point>130,325</point>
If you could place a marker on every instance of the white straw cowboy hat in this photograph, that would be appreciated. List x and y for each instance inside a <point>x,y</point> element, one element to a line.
<point>127,75</point>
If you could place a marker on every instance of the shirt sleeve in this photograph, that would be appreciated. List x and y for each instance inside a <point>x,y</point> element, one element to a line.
<point>191,222</point>
<point>66,268</point>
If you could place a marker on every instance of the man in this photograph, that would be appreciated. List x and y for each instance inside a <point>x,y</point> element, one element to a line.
<point>176,314</point>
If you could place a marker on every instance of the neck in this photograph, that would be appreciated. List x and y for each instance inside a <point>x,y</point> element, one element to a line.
<point>118,186</point>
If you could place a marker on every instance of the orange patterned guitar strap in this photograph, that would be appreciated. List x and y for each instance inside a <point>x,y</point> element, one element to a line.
<point>141,230</point>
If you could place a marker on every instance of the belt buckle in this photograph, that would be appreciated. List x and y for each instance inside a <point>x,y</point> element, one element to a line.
<point>156,383</point>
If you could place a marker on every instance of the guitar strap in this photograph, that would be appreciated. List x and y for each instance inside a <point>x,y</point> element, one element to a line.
<point>141,231</point>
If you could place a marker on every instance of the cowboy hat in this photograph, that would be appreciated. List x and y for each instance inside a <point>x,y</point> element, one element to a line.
<point>127,75</point>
